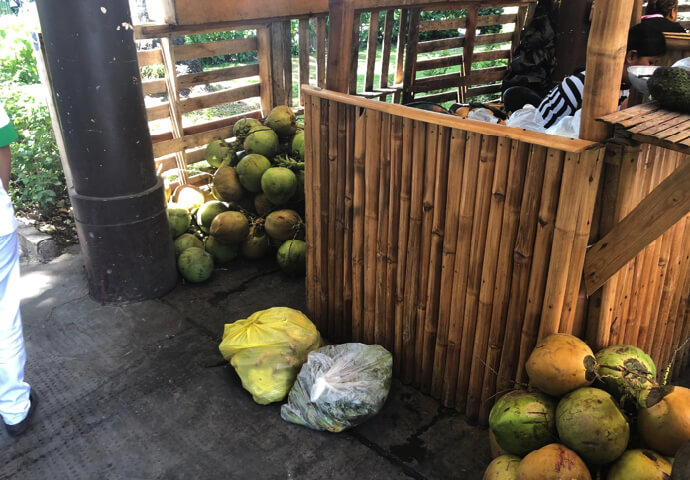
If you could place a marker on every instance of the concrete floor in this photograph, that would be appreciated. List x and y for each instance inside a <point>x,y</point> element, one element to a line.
<point>141,392</point>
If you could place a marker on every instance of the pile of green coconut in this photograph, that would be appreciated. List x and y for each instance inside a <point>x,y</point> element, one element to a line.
<point>585,416</point>
<point>254,205</point>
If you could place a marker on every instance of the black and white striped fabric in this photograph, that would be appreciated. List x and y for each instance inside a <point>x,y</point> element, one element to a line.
<point>563,100</point>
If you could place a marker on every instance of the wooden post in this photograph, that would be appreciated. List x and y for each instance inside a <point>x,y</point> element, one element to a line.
<point>281,63</point>
<point>605,55</point>
<point>263,40</point>
<point>304,43</point>
<point>342,16</point>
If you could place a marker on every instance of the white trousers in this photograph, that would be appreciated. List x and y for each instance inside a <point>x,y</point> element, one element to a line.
<point>14,392</point>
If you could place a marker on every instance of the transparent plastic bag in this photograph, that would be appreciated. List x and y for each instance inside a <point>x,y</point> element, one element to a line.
<point>483,115</point>
<point>340,387</point>
<point>568,126</point>
<point>267,350</point>
<point>528,117</point>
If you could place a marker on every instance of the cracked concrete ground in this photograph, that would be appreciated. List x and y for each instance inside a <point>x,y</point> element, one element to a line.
<point>140,391</point>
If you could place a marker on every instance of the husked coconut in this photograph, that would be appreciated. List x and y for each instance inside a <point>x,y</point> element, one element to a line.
<point>230,227</point>
<point>640,464</point>
<point>226,185</point>
<point>503,467</point>
<point>553,462</point>
<point>561,363</point>
<point>665,427</point>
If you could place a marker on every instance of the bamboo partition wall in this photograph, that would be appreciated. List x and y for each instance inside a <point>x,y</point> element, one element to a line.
<point>648,299</point>
<point>450,242</point>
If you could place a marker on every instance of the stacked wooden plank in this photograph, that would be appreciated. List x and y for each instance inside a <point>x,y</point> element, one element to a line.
<point>451,242</point>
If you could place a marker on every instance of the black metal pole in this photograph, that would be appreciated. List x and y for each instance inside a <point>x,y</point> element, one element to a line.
<point>117,198</point>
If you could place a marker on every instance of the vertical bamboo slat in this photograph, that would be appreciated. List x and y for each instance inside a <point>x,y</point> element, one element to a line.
<point>324,227</point>
<point>436,259</point>
<point>348,256</point>
<point>309,200</point>
<point>382,232</point>
<point>454,190</point>
<point>479,365</point>
<point>358,228</point>
<point>320,27</point>
<point>316,228</point>
<point>553,170</point>
<point>338,176</point>
<point>401,327</point>
<point>461,267</point>
<point>371,194</point>
<point>493,284</point>
<point>396,165</point>
<point>412,268</point>
<point>332,170</point>
<point>428,208</point>
<point>487,161</point>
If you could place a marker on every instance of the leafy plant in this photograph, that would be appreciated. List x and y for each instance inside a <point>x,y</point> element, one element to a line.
<point>17,63</point>
<point>37,179</point>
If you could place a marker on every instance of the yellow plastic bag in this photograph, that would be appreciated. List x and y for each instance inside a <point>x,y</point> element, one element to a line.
<point>268,349</point>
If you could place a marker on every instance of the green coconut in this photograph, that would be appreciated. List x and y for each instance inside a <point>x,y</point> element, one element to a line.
<point>230,227</point>
<point>297,145</point>
<point>185,241</point>
<point>217,152</point>
<point>299,191</point>
<point>250,169</point>
<point>179,220</point>
<point>262,205</point>
<point>282,120</point>
<point>292,257</point>
<point>279,184</point>
<point>222,253</point>
<point>626,370</point>
<point>226,185</point>
<point>195,264</point>
<point>640,464</point>
<point>242,127</point>
<point>589,421</point>
<point>553,462</point>
<point>503,467</point>
<point>283,225</point>
<point>207,212</point>
<point>262,140</point>
<point>256,244</point>
<point>523,421</point>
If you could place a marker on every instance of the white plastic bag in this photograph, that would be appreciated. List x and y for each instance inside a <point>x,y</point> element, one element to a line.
<point>568,126</point>
<point>483,115</point>
<point>340,386</point>
<point>528,117</point>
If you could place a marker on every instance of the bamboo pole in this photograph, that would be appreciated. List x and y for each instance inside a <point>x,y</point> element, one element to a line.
<point>566,219</point>
<point>338,175</point>
<point>479,368</point>
<point>330,210</point>
<point>487,162</point>
<point>454,190</point>
<point>371,195</point>
<point>524,246</point>
<point>428,208</point>
<point>324,209</point>
<point>317,141</point>
<point>348,227</point>
<point>412,268</point>
<point>358,228</point>
<point>436,258</point>
<point>553,171</point>
<point>591,164</point>
<point>605,55</point>
<point>380,326</point>
<point>401,328</point>
<point>461,267</point>
<point>491,306</point>
<point>393,230</point>
<point>310,161</point>
<point>519,158</point>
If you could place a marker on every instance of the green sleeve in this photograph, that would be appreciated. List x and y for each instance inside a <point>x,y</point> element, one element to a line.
<point>7,132</point>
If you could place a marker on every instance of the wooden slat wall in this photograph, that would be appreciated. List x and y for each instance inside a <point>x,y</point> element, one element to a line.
<point>453,231</point>
<point>181,140</point>
<point>471,80</point>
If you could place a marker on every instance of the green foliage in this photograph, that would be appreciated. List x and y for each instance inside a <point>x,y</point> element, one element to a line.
<point>243,57</point>
<point>37,179</point>
<point>17,63</point>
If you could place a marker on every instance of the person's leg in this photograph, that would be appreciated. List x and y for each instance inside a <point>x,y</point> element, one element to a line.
<point>14,392</point>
